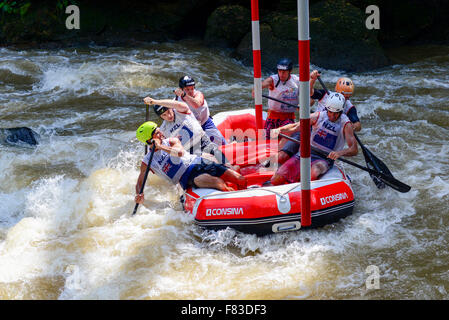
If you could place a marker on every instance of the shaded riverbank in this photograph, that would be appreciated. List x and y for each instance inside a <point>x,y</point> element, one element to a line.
<point>339,37</point>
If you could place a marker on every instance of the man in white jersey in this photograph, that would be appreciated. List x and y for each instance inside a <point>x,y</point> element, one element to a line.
<point>345,86</point>
<point>283,86</point>
<point>331,129</point>
<point>180,122</point>
<point>172,163</point>
<point>199,107</point>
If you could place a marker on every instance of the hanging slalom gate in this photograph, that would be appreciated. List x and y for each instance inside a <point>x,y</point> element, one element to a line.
<point>304,116</point>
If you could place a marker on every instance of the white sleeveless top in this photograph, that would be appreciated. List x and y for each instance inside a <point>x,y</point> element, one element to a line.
<point>327,135</point>
<point>168,166</point>
<point>201,113</point>
<point>321,106</point>
<point>185,127</point>
<point>288,92</point>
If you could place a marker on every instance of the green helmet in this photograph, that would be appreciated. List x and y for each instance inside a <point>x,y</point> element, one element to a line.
<point>145,131</point>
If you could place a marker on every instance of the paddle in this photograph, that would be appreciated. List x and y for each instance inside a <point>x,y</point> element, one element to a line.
<point>147,118</point>
<point>274,99</point>
<point>15,136</point>
<point>387,179</point>
<point>373,163</point>
<point>145,176</point>
<point>371,160</point>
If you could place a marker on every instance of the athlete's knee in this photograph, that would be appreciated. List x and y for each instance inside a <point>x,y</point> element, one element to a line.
<point>318,169</point>
<point>282,157</point>
<point>277,179</point>
<point>241,181</point>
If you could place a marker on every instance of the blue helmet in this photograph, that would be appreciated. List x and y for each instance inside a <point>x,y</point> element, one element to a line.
<point>186,81</point>
<point>159,109</point>
<point>285,64</point>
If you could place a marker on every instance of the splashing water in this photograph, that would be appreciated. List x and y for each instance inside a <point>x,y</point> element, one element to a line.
<point>66,230</point>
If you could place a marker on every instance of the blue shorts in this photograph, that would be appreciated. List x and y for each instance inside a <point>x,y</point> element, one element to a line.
<point>291,147</point>
<point>197,169</point>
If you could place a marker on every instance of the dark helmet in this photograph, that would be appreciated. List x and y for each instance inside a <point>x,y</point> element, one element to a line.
<point>285,64</point>
<point>186,81</point>
<point>159,109</point>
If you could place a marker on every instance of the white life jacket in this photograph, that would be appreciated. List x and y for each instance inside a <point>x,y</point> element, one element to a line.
<point>201,113</point>
<point>170,167</point>
<point>185,127</point>
<point>288,92</point>
<point>327,135</point>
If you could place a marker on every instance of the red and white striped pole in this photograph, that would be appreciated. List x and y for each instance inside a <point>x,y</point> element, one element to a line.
<point>304,113</point>
<point>257,64</point>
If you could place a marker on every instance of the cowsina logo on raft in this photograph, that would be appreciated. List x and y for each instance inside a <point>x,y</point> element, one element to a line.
<point>333,198</point>
<point>224,212</point>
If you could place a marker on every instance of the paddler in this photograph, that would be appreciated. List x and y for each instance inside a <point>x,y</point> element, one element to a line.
<point>331,129</point>
<point>171,162</point>
<point>199,107</point>
<point>345,86</point>
<point>180,122</point>
<point>283,86</point>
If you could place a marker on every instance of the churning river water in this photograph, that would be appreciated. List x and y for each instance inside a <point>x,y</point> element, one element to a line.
<point>66,230</point>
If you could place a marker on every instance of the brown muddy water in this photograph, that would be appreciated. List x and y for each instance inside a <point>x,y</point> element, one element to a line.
<point>66,230</point>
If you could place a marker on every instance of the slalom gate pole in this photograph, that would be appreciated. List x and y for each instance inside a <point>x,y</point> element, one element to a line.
<point>255,30</point>
<point>304,112</point>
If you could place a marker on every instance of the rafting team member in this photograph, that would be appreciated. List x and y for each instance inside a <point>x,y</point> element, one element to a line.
<point>179,122</point>
<point>345,86</point>
<point>283,86</point>
<point>198,105</point>
<point>330,130</point>
<point>171,162</point>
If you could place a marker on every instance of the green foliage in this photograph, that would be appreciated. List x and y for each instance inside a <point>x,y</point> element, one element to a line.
<point>20,7</point>
<point>15,7</point>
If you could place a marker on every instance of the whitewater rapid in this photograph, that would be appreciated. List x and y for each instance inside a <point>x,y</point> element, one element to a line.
<point>66,230</point>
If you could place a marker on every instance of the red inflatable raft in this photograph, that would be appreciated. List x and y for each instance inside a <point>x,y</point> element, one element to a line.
<point>263,209</point>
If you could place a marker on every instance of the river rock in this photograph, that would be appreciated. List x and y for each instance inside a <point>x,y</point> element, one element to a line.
<point>339,39</point>
<point>410,22</point>
<point>272,49</point>
<point>227,25</point>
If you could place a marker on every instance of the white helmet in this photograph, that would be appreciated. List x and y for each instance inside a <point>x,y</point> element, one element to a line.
<point>335,102</point>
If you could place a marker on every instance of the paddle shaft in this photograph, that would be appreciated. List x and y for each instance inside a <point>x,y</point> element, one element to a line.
<point>325,154</point>
<point>142,187</point>
<point>274,99</point>
<point>147,118</point>
<point>390,180</point>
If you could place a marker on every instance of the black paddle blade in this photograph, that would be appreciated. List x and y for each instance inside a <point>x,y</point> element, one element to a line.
<point>375,164</point>
<point>387,177</point>
<point>379,184</point>
<point>17,136</point>
<point>394,183</point>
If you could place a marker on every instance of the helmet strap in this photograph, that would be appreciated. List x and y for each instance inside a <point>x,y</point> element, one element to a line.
<point>289,76</point>
<point>283,82</point>
<point>277,83</point>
